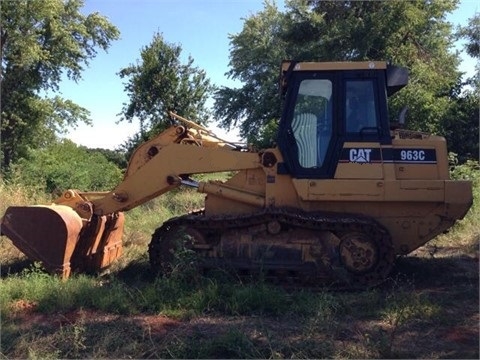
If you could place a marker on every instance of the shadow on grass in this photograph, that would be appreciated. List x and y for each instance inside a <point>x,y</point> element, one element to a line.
<point>136,271</point>
<point>87,334</point>
<point>14,267</point>
<point>428,272</point>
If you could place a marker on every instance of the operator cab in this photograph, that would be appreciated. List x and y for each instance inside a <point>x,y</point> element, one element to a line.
<point>328,104</point>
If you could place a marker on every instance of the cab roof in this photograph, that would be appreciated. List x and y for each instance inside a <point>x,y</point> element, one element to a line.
<point>334,65</point>
<point>396,76</point>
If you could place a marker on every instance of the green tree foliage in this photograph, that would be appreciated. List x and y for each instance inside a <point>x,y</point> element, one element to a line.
<point>117,157</point>
<point>41,42</point>
<point>159,83</point>
<point>471,33</point>
<point>255,58</point>
<point>64,165</point>
<point>413,34</point>
<point>461,125</point>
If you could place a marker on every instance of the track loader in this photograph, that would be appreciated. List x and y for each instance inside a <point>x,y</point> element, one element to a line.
<point>341,195</point>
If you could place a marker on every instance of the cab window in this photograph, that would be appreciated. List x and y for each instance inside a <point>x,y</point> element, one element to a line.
<point>312,121</point>
<point>360,107</point>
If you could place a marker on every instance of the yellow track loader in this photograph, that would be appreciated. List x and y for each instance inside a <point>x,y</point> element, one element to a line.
<point>337,199</point>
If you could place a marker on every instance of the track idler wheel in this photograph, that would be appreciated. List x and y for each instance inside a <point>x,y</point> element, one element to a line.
<point>367,258</point>
<point>358,252</point>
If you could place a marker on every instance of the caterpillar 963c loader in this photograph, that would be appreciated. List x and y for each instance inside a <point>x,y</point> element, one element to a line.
<point>337,199</point>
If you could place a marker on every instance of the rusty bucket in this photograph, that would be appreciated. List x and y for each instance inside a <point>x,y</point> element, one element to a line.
<point>44,233</point>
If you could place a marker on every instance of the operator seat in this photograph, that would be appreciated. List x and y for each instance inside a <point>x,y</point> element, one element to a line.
<point>304,128</point>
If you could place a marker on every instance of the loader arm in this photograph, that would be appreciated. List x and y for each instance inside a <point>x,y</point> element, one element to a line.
<point>165,170</point>
<point>83,230</point>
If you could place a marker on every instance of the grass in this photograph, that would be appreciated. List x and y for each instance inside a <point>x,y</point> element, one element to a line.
<point>465,233</point>
<point>427,309</point>
<point>218,318</point>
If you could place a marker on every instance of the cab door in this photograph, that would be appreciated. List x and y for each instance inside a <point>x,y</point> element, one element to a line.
<point>308,132</point>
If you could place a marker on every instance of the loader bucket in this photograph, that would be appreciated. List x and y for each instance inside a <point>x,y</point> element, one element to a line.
<point>44,233</point>
<point>57,236</point>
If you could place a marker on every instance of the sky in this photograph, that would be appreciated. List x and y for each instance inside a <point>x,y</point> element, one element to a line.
<point>202,28</point>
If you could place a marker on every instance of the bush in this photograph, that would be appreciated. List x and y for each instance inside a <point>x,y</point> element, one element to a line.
<point>64,165</point>
<point>470,170</point>
<point>465,232</point>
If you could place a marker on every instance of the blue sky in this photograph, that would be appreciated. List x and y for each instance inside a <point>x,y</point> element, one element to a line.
<point>200,27</point>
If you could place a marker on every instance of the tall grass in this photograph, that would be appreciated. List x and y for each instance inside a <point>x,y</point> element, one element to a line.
<point>466,232</point>
<point>19,194</point>
<point>16,194</point>
<point>176,296</point>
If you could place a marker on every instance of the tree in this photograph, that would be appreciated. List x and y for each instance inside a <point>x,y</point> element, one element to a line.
<point>159,83</point>
<point>255,58</point>
<point>461,126</point>
<point>408,33</point>
<point>471,33</point>
<point>41,40</point>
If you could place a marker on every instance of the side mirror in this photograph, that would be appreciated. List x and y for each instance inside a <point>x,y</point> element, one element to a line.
<point>400,123</point>
<point>401,116</point>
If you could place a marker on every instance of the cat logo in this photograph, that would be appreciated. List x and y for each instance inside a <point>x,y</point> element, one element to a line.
<point>360,155</point>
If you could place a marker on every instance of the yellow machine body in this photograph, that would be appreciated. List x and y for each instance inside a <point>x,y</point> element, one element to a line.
<point>332,200</point>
